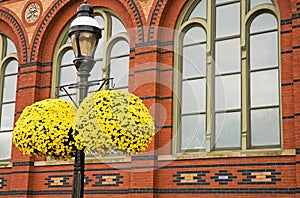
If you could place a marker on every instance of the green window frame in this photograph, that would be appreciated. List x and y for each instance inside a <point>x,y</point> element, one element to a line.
<point>227,79</point>
<point>8,90</point>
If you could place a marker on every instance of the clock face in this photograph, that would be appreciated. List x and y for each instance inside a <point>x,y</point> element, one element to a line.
<point>32,12</point>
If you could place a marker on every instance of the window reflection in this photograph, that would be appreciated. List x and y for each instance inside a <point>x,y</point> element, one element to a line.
<point>10,48</point>
<point>265,127</point>
<point>263,22</point>
<point>193,96</point>
<point>194,35</point>
<point>11,67</point>
<point>200,10</point>
<point>264,88</point>
<point>228,127</point>
<point>222,70</point>
<point>228,56</point>
<point>264,50</point>
<point>194,136</point>
<point>9,88</point>
<point>9,74</point>
<point>194,61</point>
<point>254,3</point>
<point>117,26</point>
<point>224,15</point>
<point>228,92</point>
<point>6,144</point>
<point>7,117</point>
<point>119,71</point>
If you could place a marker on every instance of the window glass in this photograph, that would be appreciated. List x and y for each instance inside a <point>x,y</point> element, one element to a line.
<point>193,96</point>
<point>194,35</point>
<point>222,1</point>
<point>254,3</point>
<point>120,48</point>
<point>10,48</point>
<point>194,61</point>
<point>67,58</point>
<point>264,88</point>
<point>199,11</point>
<point>68,75</point>
<point>264,50</point>
<point>265,127</point>
<point>99,50</point>
<point>9,88</point>
<point>228,92</point>
<point>96,73</point>
<point>193,132</point>
<point>100,20</point>
<point>7,117</point>
<point>228,20</point>
<point>117,26</point>
<point>228,127</point>
<point>228,58</point>
<point>119,70</point>
<point>8,95</point>
<point>11,67</point>
<point>263,22</point>
<point>5,142</point>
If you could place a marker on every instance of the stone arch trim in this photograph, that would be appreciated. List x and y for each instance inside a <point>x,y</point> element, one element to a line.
<point>157,11</point>
<point>18,29</point>
<point>59,4</point>
<point>138,19</point>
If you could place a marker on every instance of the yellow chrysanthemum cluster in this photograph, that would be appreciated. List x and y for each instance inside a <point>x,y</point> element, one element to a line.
<point>114,120</point>
<point>47,128</point>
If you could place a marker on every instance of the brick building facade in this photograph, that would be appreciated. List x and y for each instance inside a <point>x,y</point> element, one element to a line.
<point>251,163</point>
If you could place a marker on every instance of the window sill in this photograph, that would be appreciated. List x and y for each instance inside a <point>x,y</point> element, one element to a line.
<point>179,156</point>
<point>228,154</point>
<point>88,160</point>
<point>5,164</point>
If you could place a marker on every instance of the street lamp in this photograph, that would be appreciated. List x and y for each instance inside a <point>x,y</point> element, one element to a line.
<point>85,33</point>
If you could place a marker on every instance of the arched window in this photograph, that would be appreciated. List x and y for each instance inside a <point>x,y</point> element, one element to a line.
<point>227,84</point>
<point>111,56</point>
<point>8,88</point>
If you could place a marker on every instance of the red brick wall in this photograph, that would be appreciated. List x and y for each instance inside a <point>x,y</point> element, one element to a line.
<point>151,79</point>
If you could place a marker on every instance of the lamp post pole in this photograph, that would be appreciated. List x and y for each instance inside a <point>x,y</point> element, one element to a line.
<point>85,33</point>
<point>83,72</point>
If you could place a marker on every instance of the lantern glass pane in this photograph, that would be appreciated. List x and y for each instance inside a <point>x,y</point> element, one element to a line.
<point>87,43</point>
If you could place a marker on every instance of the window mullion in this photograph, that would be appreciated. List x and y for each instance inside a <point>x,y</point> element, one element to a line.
<point>245,79</point>
<point>107,49</point>
<point>210,91</point>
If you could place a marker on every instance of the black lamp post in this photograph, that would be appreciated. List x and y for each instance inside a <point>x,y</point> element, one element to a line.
<point>85,33</point>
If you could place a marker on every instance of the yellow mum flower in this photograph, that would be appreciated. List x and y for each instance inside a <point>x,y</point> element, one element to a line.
<point>114,120</point>
<point>46,128</point>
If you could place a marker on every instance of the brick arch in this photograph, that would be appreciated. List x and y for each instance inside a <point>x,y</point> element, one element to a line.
<point>138,18</point>
<point>41,40</point>
<point>164,14</point>
<point>62,11</point>
<point>15,30</point>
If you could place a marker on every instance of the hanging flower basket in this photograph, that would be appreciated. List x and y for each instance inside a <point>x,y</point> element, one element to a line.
<point>114,120</point>
<point>47,129</point>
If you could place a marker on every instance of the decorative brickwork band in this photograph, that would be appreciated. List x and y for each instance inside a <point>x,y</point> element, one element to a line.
<point>264,176</point>
<point>108,179</point>
<point>58,181</point>
<point>191,178</point>
<point>223,177</point>
<point>2,183</point>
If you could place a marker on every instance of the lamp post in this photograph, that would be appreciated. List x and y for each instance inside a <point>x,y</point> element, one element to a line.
<point>85,33</point>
